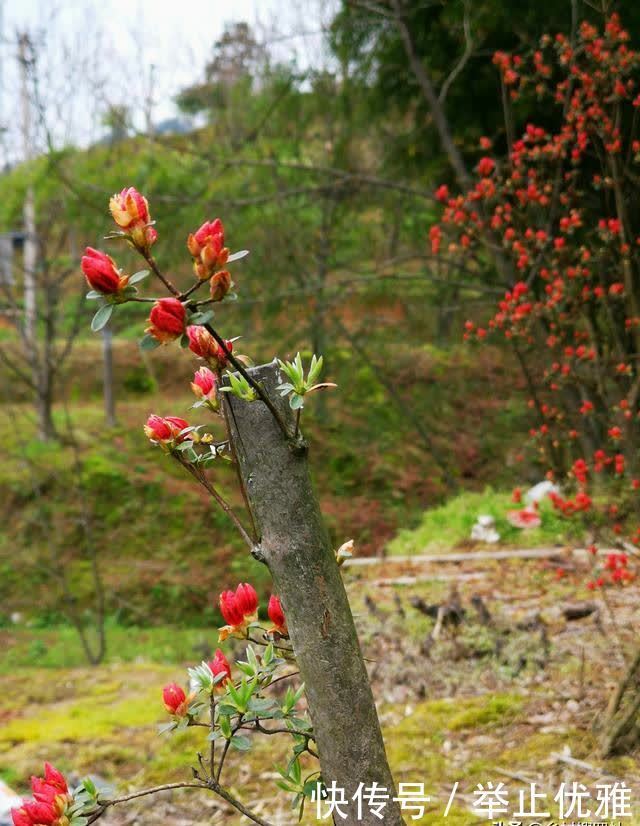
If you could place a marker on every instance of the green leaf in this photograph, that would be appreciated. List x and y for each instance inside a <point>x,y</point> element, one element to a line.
<point>251,658</point>
<point>92,294</point>
<point>201,318</point>
<point>296,401</point>
<point>315,370</point>
<point>226,710</point>
<point>165,727</point>
<point>240,742</point>
<point>310,787</point>
<point>139,276</point>
<point>148,342</point>
<point>267,657</point>
<point>184,446</point>
<point>89,786</point>
<point>259,705</point>
<point>295,771</point>
<point>101,317</point>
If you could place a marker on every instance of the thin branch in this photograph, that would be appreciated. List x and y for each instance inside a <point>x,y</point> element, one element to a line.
<point>206,484</point>
<point>468,51</point>
<point>151,261</point>
<point>429,93</point>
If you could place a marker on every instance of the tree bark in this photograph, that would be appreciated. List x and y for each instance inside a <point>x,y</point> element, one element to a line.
<point>295,546</point>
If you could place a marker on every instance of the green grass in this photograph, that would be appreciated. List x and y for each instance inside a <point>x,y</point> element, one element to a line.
<point>449,526</point>
<point>60,647</point>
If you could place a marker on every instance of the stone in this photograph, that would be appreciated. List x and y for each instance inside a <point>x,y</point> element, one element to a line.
<point>484,530</point>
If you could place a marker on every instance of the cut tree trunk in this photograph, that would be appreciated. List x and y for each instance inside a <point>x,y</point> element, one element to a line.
<point>294,544</point>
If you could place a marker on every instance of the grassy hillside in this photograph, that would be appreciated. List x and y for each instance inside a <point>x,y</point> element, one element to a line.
<point>163,547</point>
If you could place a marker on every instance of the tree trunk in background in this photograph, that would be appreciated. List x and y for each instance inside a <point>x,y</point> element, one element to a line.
<point>44,404</point>
<point>107,376</point>
<point>295,546</point>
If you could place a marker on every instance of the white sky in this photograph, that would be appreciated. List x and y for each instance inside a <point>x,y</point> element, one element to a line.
<point>114,43</point>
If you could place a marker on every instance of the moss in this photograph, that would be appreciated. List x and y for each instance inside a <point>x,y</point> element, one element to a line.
<point>82,721</point>
<point>449,525</point>
<point>486,711</point>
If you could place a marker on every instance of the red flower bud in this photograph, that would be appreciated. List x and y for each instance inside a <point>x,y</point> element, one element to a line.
<point>164,429</point>
<point>20,817</point>
<point>167,319</point>
<point>204,383</point>
<point>203,344</point>
<point>129,208</point>
<point>175,700</point>
<point>51,798</point>
<point>486,167</point>
<point>41,814</point>
<point>220,285</point>
<point>230,610</point>
<point>276,615</point>
<point>43,792</point>
<point>55,778</point>
<point>246,599</point>
<point>208,249</point>
<point>101,272</point>
<point>220,665</point>
<point>130,211</point>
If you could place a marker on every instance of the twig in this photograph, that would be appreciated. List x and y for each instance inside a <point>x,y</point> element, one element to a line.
<point>106,804</point>
<point>200,477</point>
<point>211,785</point>
<point>212,755</point>
<point>464,59</point>
<point>151,261</point>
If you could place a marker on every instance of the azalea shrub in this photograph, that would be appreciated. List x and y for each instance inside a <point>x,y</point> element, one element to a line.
<point>556,219</point>
<point>230,701</point>
<point>552,213</point>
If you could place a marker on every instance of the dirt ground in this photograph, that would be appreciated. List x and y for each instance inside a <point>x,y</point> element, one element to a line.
<point>509,692</point>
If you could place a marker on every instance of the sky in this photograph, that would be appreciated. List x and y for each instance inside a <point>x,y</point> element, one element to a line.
<point>95,52</point>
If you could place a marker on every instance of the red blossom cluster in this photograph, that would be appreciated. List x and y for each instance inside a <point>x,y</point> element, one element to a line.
<point>165,429</point>
<point>615,570</point>
<point>169,317</point>
<point>51,801</point>
<point>239,610</point>
<point>556,216</point>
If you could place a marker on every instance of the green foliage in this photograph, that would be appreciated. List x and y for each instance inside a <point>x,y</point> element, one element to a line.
<point>239,387</point>
<point>298,386</point>
<point>448,526</point>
